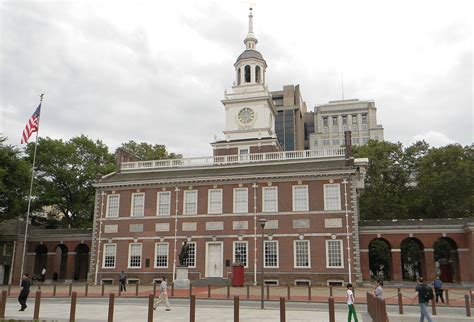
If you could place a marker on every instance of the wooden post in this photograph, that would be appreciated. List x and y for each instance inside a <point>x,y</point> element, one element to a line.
<point>332,314</point>
<point>236,309</point>
<point>330,290</point>
<point>37,305</point>
<point>110,317</point>
<point>268,292</point>
<point>120,289</point>
<point>228,291</point>
<point>86,291</point>
<point>433,307</point>
<point>54,289</point>
<point>151,300</point>
<point>309,292</point>
<point>288,292</point>
<point>136,289</point>
<point>70,289</point>
<point>9,289</point>
<point>190,289</point>
<point>103,289</point>
<point>72,314</point>
<point>172,289</point>
<point>3,304</point>
<point>282,309</point>
<point>192,309</point>
<point>468,307</point>
<point>248,291</point>
<point>446,296</point>
<point>208,291</point>
<point>154,289</point>
<point>400,302</point>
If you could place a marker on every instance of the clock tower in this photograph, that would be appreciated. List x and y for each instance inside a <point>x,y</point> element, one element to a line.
<point>249,110</point>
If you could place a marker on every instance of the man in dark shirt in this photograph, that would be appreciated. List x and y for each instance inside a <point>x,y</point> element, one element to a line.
<point>25,291</point>
<point>421,289</point>
<point>123,281</point>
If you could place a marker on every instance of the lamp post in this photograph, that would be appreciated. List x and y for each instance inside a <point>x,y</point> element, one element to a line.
<point>262,224</point>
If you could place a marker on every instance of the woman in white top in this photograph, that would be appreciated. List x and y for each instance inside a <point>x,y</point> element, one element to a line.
<point>350,304</point>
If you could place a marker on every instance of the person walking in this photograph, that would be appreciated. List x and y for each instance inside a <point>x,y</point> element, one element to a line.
<point>378,292</point>
<point>24,292</point>
<point>438,289</point>
<point>43,274</point>
<point>350,304</point>
<point>163,298</point>
<point>123,281</point>
<point>424,294</point>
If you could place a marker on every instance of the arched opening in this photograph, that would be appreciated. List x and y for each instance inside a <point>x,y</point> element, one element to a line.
<point>247,74</point>
<point>60,262</point>
<point>257,74</point>
<point>81,264</point>
<point>41,258</point>
<point>413,258</point>
<point>380,259</point>
<point>238,76</point>
<point>446,259</point>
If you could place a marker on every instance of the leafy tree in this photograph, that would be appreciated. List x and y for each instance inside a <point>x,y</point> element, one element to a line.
<point>380,258</point>
<point>65,172</point>
<point>15,176</point>
<point>146,151</point>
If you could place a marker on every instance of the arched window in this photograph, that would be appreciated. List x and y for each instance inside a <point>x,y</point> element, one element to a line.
<point>257,74</point>
<point>238,76</point>
<point>247,74</point>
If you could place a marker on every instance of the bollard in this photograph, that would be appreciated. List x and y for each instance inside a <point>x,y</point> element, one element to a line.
<point>3,303</point>
<point>86,291</point>
<point>39,287</point>
<point>136,289</point>
<point>282,309</point>
<point>9,289</point>
<point>54,289</point>
<point>468,307</point>
<point>154,289</point>
<point>332,315</point>
<point>228,291</point>
<point>37,305</point>
<point>120,289</point>
<point>433,307</point>
<point>192,309</point>
<point>236,309</point>
<point>151,300</point>
<point>400,303</point>
<point>70,289</point>
<point>110,317</point>
<point>208,291</point>
<point>288,292</point>
<point>470,295</point>
<point>330,290</point>
<point>72,314</point>
<point>103,289</point>
<point>248,292</point>
<point>172,289</point>
<point>309,292</point>
<point>268,292</point>
<point>190,289</point>
<point>446,296</point>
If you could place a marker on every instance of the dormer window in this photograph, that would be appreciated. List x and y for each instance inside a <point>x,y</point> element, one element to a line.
<point>247,74</point>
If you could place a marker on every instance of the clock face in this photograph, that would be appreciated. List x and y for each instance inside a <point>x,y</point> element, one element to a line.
<point>246,115</point>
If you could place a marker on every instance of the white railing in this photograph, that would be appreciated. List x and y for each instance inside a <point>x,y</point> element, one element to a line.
<point>233,159</point>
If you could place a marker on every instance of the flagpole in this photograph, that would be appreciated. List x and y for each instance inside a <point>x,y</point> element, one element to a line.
<point>29,197</point>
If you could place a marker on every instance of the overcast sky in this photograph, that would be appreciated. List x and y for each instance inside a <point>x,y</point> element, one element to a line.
<point>155,71</point>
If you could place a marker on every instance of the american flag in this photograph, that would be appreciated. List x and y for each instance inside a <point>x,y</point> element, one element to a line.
<point>32,125</point>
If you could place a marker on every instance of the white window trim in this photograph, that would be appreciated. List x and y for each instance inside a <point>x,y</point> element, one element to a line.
<point>111,280</point>
<point>272,282</point>
<point>342,253</point>
<point>133,204</point>
<point>307,197</point>
<point>195,254</point>
<point>103,256</point>
<point>209,201</point>
<point>263,198</point>
<point>167,254</point>
<point>158,203</point>
<point>133,279</point>
<point>107,207</point>
<point>185,197</point>
<point>294,253</point>
<point>295,282</point>
<point>338,195</point>
<point>247,201</point>
<point>246,255</point>
<point>247,156</point>
<point>277,252</point>
<point>130,253</point>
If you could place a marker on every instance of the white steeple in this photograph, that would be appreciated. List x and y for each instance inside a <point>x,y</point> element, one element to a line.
<point>250,41</point>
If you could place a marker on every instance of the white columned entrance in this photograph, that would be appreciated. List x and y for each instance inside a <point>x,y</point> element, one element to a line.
<point>214,259</point>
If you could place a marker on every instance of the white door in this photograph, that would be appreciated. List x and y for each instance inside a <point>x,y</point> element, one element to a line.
<point>214,260</point>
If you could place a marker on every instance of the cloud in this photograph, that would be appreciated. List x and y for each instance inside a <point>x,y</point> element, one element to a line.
<point>433,138</point>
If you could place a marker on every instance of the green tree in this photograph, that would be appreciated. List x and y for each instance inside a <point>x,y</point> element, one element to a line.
<point>65,172</point>
<point>380,258</point>
<point>15,176</point>
<point>146,151</point>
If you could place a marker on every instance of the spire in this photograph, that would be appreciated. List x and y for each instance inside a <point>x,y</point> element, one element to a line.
<point>250,41</point>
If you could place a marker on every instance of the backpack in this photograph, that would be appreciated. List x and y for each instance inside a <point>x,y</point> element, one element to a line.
<point>427,293</point>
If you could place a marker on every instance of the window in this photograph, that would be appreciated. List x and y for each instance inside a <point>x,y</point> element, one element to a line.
<point>334,258</point>
<point>344,120</point>
<point>335,142</point>
<point>270,199</point>
<point>163,206</point>
<point>8,249</point>
<point>214,205</point>
<point>271,253</point>
<point>138,204</point>
<point>112,206</point>
<point>135,255</point>
<point>364,119</point>
<point>332,196</point>
<point>301,252</point>
<point>257,74</point>
<point>325,122</point>
<point>354,119</point>
<point>190,202</point>
<point>241,200</point>
<point>355,141</point>
<point>238,76</point>
<point>365,139</point>
<point>315,143</point>
<point>240,252</point>
<point>335,129</point>
<point>109,255</point>
<point>334,121</point>
<point>326,142</point>
<point>161,255</point>
<point>247,74</point>
<point>191,260</point>
<point>300,198</point>
<point>243,154</point>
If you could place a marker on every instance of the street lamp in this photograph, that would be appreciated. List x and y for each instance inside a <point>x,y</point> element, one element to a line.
<point>262,224</point>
